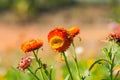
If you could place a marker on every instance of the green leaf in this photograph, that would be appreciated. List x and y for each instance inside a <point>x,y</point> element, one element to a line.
<point>67,77</point>
<point>105,50</point>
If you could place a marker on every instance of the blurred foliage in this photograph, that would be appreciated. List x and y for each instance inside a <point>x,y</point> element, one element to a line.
<point>5,4</point>
<point>25,9</point>
<point>115,7</point>
<point>15,74</point>
<point>99,72</point>
<point>26,5</point>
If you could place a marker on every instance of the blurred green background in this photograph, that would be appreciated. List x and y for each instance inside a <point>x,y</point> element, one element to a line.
<point>29,10</point>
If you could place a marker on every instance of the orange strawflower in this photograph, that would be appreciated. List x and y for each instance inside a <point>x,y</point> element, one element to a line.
<point>31,45</point>
<point>74,31</point>
<point>59,39</point>
<point>24,63</point>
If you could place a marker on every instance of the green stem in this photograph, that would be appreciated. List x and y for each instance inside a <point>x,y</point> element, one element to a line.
<point>117,75</point>
<point>112,66</point>
<point>37,69</point>
<point>51,73</point>
<point>51,70</point>
<point>33,74</point>
<point>98,62</point>
<point>111,70</point>
<point>112,58</point>
<point>40,64</point>
<point>76,62</point>
<point>36,58</point>
<point>67,65</point>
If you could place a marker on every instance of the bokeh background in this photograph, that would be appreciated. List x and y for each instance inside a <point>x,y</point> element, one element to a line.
<point>21,20</point>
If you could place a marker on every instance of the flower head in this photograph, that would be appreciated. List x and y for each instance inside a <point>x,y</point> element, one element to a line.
<point>31,45</point>
<point>74,31</point>
<point>114,35</point>
<point>24,63</point>
<point>59,39</point>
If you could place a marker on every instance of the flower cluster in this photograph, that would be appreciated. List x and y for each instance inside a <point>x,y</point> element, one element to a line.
<point>28,46</point>
<point>59,40</point>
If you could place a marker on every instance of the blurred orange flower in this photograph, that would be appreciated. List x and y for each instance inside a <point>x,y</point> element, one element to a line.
<point>31,45</point>
<point>59,39</point>
<point>115,34</point>
<point>24,63</point>
<point>74,31</point>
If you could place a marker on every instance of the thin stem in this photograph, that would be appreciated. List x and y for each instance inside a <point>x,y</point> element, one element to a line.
<point>111,70</point>
<point>112,66</point>
<point>97,62</point>
<point>43,73</point>
<point>67,65</point>
<point>76,62</point>
<point>51,70</point>
<point>117,75</point>
<point>33,74</point>
<point>51,73</point>
<point>112,58</point>
<point>37,69</point>
<point>39,63</point>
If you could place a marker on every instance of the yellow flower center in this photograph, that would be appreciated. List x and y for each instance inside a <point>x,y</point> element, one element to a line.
<point>56,42</point>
